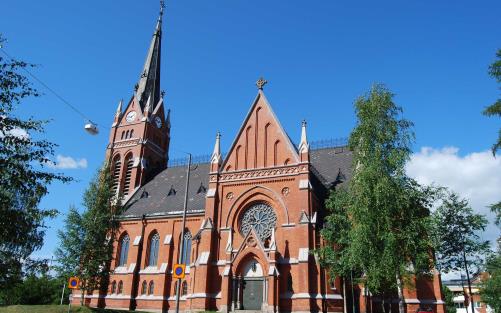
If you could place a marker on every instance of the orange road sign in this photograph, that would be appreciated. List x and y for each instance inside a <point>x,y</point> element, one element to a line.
<point>178,271</point>
<point>73,283</point>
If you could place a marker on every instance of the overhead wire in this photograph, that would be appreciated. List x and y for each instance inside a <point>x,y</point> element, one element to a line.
<point>75,109</point>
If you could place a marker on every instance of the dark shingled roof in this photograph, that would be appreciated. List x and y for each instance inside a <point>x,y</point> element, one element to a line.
<point>158,202</point>
<point>331,166</point>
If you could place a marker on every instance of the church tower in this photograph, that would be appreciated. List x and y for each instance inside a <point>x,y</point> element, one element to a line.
<point>140,134</point>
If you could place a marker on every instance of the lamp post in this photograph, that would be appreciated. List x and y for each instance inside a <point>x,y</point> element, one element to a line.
<point>181,251</point>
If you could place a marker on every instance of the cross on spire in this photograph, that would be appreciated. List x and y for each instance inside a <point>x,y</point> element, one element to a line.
<point>260,83</point>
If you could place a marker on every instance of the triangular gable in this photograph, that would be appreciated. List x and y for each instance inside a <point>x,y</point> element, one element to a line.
<point>261,141</point>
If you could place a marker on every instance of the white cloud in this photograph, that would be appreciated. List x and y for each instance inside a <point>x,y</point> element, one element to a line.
<point>475,176</point>
<point>67,162</point>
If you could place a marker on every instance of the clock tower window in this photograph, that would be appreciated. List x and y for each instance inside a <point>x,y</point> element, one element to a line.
<point>128,175</point>
<point>117,164</point>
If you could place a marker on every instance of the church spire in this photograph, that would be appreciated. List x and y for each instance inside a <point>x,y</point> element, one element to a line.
<point>149,81</point>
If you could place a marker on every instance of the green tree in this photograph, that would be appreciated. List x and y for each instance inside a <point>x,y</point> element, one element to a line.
<point>495,108</point>
<point>70,246</point>
<point>448,299</point>
<point>386,236</point>
<point>23,180</point>
<point>457,242</point>
<point>87,252</point>
<point>491,289</point>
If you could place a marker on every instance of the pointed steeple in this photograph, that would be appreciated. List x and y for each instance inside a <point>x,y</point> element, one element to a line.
<point>216,154</point>
<point>119,108</point>
<point>304,147</point>
<point>149,81</point>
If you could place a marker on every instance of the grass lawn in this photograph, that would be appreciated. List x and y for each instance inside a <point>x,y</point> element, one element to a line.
<point>54,309</point>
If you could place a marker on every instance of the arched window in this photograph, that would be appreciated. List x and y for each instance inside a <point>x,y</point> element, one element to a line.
<point>123,134</point>
<point>184,288</point>
<point>186,258</point>
<point>131,133</point>
<point>153,253</point>
<point>124,250</point>
<point>117,165</point>
<point>128,174</point>
<point>114,287</point>
<point>127,135</point>
<point>151,288</point>
<point>144,287</point>
<point>120,287</point>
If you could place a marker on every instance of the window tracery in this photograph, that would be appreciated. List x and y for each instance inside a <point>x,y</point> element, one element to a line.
<point>262,218</point>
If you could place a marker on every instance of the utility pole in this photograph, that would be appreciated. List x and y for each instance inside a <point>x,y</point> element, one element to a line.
<point>181,251</point>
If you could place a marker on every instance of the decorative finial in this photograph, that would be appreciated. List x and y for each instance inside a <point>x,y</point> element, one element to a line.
<point>162,6</point>
<point>162,93</point>
<point>303,123</point>
<point>260,83</point>
<point>136,87</point>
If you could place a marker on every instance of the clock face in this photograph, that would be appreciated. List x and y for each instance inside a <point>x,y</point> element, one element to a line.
<point>131,116</point>
<point>158,122</point>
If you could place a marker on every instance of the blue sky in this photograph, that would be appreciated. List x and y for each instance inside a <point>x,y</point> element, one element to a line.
<point>317,56</point>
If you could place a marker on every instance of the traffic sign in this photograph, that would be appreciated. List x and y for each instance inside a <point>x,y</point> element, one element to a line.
<point>73,283</point>
<point>178,271</point>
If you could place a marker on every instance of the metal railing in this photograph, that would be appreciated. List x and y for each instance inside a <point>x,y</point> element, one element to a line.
<point>314,145</point>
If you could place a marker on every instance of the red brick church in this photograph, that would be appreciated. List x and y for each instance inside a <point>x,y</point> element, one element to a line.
<point>253,216</point>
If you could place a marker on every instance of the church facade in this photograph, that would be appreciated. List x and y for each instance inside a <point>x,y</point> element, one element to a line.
<point>253,216</point>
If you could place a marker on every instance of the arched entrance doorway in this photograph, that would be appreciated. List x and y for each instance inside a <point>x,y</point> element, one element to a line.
<point>250,286</point>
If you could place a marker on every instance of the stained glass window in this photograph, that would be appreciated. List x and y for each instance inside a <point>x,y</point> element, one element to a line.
<point>153,256</point>
<point>262,218</point>
<point>124,250</point>
<point>186,248</point>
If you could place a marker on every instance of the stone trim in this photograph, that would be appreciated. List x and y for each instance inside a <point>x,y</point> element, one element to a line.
<point>153,270</point>
<point>304,295</point>
<point>168,239</point>
<point>304,255</point>
<point>137,240</point>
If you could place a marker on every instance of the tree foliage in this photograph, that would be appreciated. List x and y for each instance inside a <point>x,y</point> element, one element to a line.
<point>70,244</point>
<point>495,108</point>
<point>449,300</point>
<point>456,229</point>
<point>491,289</point>
<point>378,226</point>
<point>23,179</point>
<point>86,248</point>
<point>33,290</point>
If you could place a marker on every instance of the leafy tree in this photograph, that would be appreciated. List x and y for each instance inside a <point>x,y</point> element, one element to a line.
<point>386,236</point>
<point>33,290</point>
<point>70,246</point>
<point>23,180</point>
<point>87,240</point>
<point>457,242</point>
<point>495,108</point>
<point>491,289</point>
<point>449,300</point>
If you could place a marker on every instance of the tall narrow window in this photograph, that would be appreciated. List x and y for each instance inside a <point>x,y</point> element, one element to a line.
<point>114,287</point>
<point>117,165</point>
<point>131,133</point>
<point>153,255</point>
<point>120,287</point>
<point>128,175</point>
<point>123,134</point>
<point>186,248</point>
<point>151,288</point>
<point>124,250</point>
<point>144,287</point>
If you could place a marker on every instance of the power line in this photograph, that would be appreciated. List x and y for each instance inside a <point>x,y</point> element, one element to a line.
<point>51,90</point>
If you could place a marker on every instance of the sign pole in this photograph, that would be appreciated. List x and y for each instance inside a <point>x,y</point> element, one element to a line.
<point>181,251</point>
<point>62,293</point>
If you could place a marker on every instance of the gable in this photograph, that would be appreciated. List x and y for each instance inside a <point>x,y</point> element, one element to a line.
<point>261,141</point>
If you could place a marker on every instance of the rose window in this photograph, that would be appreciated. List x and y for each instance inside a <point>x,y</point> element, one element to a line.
<point>262,218</point>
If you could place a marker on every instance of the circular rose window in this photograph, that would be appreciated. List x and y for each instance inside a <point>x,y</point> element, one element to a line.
<point>261,217</point>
